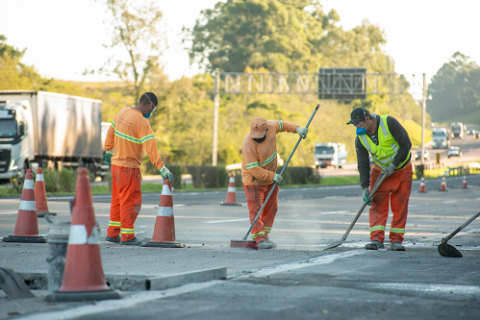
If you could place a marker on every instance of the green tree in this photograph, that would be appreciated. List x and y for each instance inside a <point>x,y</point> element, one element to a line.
<point>14,74</point>
<point>136,28</point>
<point>282,36</point>
<point>455,89</point>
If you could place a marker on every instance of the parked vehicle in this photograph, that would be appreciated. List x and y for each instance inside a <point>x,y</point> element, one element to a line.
<point>457,130</point>
<point>454,151</point>
<point>330,154</point>
<point>426,154</point>
<point>440,138</point>
<point>49,129</point>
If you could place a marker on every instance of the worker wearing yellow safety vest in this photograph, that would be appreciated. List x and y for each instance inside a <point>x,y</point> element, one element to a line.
<point>127,137</point>
<point>384,138</point>
<point>259,164</point>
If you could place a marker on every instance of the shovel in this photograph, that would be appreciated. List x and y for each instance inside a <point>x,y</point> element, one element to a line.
<point>244,243</point>
<point>447,250</point>
<point>375,187</point>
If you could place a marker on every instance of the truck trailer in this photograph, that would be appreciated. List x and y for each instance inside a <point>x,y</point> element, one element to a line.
<point>50,129</point>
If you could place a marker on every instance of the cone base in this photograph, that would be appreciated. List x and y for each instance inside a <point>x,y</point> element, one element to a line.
<point>42,214</point>
<point>163,244</point>
<point>83,295</point>
<point>32,239</point>
<point>229,204</point>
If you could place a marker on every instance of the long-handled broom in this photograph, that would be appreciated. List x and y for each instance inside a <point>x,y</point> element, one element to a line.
<point>375,187</point>
<point>244,243</point>
<point>447,250</point>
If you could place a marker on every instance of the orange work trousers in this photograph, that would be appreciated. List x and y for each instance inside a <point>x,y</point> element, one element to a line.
<point>126,202</point>
<point>256,196</point>
<point>396,188</point>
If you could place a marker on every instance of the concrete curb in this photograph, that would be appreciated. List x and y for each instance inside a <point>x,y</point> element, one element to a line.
<point>123,282</point>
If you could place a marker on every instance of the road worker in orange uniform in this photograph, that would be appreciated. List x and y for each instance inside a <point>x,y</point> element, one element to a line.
<point>389,145</point>
<point>259,164</point>
<point>130,134</point>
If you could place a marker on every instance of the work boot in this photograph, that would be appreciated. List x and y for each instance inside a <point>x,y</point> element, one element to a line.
<point>397,246</point>
<point>113,239</point>
<point>274,245</point>
<point>264,245</point>
<point>132,242</point>
<point>374,245</point>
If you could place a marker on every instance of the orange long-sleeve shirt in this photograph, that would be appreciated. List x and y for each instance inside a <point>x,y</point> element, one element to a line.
<point>130,134</point>
<point>259,161</point>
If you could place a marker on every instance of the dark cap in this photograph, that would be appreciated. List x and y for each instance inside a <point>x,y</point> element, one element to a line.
<point>357,115</point>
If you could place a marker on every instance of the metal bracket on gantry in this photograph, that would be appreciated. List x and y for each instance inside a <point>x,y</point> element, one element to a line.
<point>13,285</point>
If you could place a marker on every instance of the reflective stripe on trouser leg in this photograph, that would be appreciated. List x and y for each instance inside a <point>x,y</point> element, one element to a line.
<point>256,195</point>
<point>399,200</point>
<point>113,231</point>
<point>130,198</point>
<point>378,212</point>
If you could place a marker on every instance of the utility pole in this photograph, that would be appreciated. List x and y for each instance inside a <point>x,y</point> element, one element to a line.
<point>424,106</point>
<point>216,101</point>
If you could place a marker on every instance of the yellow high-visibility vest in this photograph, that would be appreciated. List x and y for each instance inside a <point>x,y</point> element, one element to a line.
<point>387,148</point>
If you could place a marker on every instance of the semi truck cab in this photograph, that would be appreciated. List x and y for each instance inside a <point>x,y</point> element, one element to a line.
<point>16,138</point>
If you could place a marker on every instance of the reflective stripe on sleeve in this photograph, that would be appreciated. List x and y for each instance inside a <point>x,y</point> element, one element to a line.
<point>252,165</point>
<point>281,125</point>
<point>273,156</point>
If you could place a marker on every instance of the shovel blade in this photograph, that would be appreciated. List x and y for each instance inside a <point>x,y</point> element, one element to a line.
<point>447,250</point>
<point>331,246</point>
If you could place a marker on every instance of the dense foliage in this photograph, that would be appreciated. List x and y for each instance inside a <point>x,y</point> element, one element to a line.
<point>455,89</point>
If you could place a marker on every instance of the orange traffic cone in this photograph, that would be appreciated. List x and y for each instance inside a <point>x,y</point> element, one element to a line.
<point>164,231</point>
<point>26,227</point>
<point>422,185</point>
<point>83,277</point>
<point>231,196</point>
<point>41,196</point>
<point>443,186</point>
<point>464,184</point>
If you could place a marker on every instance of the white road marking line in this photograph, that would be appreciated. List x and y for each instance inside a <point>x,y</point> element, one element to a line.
<point>333,197</point>
<point>220,221</point>
<point>326,259</point>
<point>10,212</point>
<point>127,302</point>
<point>334,212</point>
<point>451,201</point>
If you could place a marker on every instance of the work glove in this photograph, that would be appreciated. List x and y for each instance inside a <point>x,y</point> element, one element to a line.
<point>108,159</point>
<point>302,132</point>
<point>390,170</point>
<point>277,178</point>
<point>165,173</point>
<point>366,196</point>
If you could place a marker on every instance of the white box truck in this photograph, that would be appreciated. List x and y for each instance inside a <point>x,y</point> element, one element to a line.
<point>440,138</point>
<point>51,129</point>
<point>330,154</point>
<point>457,130</point>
